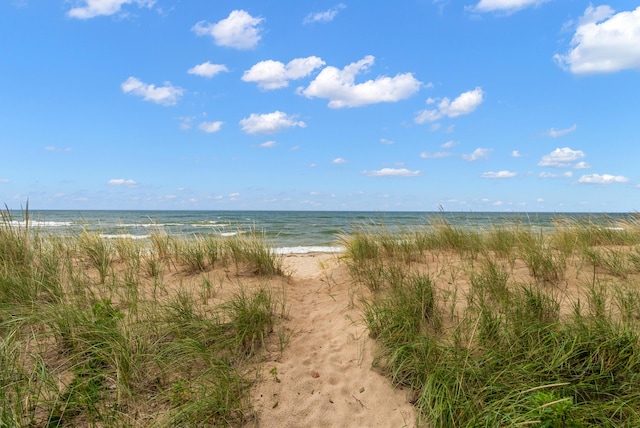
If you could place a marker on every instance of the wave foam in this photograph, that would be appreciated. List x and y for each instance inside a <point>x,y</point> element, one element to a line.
<point>307,250</point>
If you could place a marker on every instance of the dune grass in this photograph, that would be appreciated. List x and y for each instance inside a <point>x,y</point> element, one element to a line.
<point>508,326</point>
<point>99,332</point>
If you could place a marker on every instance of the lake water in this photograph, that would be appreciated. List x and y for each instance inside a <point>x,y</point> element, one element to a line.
<point>287,231</point>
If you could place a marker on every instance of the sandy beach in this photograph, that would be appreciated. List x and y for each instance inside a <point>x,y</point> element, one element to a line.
<point>324,376</point>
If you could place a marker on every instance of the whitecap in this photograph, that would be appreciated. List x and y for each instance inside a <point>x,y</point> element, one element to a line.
<point>123,236</point>
<point>307,250</point>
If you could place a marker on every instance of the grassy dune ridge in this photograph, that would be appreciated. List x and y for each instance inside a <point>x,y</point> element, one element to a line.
<point>116,332</point>
<point>504,326</point>
<point>507,326</point>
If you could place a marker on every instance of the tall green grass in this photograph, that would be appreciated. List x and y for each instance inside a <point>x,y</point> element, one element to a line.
<point>99,332</point>
<point>536,336</point>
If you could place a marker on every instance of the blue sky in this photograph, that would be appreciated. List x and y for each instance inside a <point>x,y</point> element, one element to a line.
<point>472,105</point>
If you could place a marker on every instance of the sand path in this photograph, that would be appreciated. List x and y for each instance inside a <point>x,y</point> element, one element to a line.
<point>324,376</point>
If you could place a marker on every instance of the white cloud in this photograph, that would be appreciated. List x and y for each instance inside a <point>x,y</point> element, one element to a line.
<point>546,174</point>
<point>326,16</point>
<point>206,69</point>
<point>239,30</point>
<point>57,149</point>
<point>465,103</point>
<point>166,95</point>
<point>477,154</point>
<point>268,144</point>
<point>271,74</point>
<point>561,158</point>
<point>339,86</point>
<point>604,42</point>
<point>269,123</point>
<point>499,174</point>
<point>93,8</point>
<point>602,179</point>
<point>436,155</point>
<point>555,133</point>
<point>338,161</point>
<point>516,154</point>
<point>449,144</point>
<point>392,172</point>
<point>185,122</point>
<point>582,165</point>
<point>210,127</point>
<point>121,182</point>
<point>385,141</point>
<point>5,180</point>
<point>508,6</point>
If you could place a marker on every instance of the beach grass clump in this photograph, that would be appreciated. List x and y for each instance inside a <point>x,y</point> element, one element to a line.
<point>251,253</point>
<point>193,254</point>
<point>251,318</point>
<point>616,261</point>
<point>592,233</point>
<point>15,241</point>
<point>109,332</point>
<point>546,264</point>
<point>510,350</point>
<point>248,253</point>
<point>401,321</point>
<point>98,252</point>
<point>521,359</point>
<point>464,241</point>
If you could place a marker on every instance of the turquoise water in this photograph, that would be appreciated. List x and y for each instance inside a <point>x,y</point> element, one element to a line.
<point>288,231</point>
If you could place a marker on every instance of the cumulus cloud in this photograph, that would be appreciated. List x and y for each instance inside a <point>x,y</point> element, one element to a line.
<point>561,158</point>
<point>604,42</point>
<point>555,133</point>
<point>326,16</point>
<point>269,123</point>
<point>268,144</point>
<point>499,174</point>
<point>93,8</point>
<point>392,172</point>
<point>206,69</point>
<point>449,144</point>
<point>385,141</point>
<point>465,103</point>
<point>582,165</point>
<point>602,179</point>
<point>436,155</point>
<point>121,182</point>
<point>339,161</point>
<point>546,174</point>
<point>508,6</point>
<point>271,74</point>
<point>339,86</point>
<point>477,154</point>
<point>210,127</point>
<point>165,95</point>
<point>516,154</point>
<point>239,30</point>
